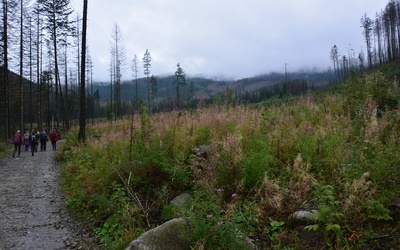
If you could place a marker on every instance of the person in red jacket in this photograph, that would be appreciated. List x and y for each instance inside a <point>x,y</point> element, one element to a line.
<point>17,143</point>
<point>53,138</point>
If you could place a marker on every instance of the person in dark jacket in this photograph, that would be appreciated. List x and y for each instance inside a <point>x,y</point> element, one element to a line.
<point>43,140</point>
<point>33,141</point>
<point>17,143</point>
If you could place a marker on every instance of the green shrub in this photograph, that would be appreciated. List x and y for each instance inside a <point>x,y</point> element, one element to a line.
<point>328,217</point>
<point>215,223</point>
<point>257,160</point>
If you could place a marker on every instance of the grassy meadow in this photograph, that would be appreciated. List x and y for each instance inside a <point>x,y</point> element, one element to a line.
<point>248,168</point>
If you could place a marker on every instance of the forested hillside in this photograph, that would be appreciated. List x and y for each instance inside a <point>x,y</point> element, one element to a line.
<point>249,90</point>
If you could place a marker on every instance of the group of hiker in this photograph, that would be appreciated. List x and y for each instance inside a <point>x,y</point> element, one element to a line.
<point>32,139</point>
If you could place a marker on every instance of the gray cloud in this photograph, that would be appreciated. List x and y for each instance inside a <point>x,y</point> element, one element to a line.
<point>229,38</point>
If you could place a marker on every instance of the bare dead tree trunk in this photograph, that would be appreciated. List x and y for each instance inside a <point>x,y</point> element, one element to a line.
<point>21,61</point>
<point>82,113</point>
<point>38,71</point>
<point>5,68</point>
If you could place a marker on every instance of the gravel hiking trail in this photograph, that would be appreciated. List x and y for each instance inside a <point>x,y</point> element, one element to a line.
<point>33,213</point>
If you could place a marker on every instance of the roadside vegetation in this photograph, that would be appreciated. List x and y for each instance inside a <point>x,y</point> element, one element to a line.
<point>5,148</point>
<point>335,152</point>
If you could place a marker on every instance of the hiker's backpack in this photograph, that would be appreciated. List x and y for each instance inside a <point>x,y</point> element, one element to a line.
<point>33,138</point>
<point>43,135</point>
<point>26,136</point>
<point>16,139</point>
<point>53,135</point>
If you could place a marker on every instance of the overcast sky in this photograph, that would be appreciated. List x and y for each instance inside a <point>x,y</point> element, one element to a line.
<point>226,38</point>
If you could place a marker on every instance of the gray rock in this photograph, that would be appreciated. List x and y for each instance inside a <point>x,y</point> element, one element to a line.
<point>304,215</point>
<point>181,200</point>
<point>164,237</point>
<point>201,150</point>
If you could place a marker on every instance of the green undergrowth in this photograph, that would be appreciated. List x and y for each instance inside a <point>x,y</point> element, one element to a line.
<point>6,147</point>
<point>247,170</point>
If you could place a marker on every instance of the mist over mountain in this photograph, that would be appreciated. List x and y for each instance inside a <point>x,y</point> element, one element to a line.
<point>212,87</point>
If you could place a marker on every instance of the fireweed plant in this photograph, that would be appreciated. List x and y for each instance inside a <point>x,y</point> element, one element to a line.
<point>247,168</point>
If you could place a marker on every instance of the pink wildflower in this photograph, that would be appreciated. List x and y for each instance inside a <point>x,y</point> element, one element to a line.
<point>219,223</point>
<point>234,196</point>
<point>305,186</point>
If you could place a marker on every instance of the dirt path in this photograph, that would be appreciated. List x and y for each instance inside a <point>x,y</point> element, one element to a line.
<point>32,209</point>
